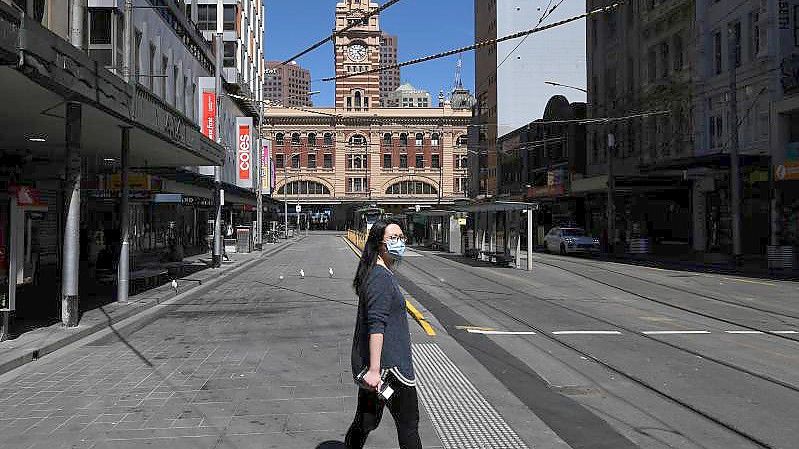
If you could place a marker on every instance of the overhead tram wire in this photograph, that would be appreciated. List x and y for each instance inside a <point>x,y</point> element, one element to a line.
<point>475,46</point>
<point>547,12</point>
<point>367,16</point>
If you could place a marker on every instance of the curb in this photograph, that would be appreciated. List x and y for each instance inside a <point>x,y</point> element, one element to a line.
<point>412,310</point>
<point>32,355</point>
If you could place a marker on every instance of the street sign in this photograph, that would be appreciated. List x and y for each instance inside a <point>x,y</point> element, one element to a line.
<point>298,208</point>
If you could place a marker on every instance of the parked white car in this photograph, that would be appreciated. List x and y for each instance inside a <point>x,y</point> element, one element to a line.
<point>570,240</point>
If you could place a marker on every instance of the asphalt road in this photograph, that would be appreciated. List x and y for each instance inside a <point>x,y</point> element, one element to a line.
<point>659,358</point>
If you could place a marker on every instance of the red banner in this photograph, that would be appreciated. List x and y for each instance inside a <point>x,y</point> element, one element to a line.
<point>209,115</point>
<point>244,153</point>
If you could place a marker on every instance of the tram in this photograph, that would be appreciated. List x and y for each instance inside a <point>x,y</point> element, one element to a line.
<point>365,217</point>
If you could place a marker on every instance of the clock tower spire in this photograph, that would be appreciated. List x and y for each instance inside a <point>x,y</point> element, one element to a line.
<point>357,50</point>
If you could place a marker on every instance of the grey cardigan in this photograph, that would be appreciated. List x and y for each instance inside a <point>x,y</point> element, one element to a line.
<point>381,310</point>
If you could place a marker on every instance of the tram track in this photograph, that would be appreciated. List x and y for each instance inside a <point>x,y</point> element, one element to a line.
<point>777,315</point>
<point>607,363</point>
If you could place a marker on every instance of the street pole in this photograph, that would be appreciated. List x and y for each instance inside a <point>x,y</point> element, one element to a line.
<point>735,169</point>
<point>123,267</point>
<point>127,43</point>
<point>216,258</point>
<point>611,209</point>
<point>285,198</point>
<point>123,264</point>
<point>530,226</point>
<point>259,188</point>
<point>70,268</point>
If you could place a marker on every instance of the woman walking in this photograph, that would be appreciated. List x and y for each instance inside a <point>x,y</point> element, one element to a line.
<point>381,347</point>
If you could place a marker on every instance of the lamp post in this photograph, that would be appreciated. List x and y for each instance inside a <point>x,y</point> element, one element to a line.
<point>216,254</point>
<point>611,210</point>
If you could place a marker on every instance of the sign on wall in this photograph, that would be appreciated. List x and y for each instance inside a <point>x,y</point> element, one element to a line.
<point>244,152</point>
<point>208,113</point>
<point>268,170</point>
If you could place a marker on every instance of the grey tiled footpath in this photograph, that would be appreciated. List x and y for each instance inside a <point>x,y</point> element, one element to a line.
<point>37,343</point>
<point>258,361</point>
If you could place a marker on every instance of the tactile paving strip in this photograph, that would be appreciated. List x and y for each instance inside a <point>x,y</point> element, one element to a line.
<point>461,415</point>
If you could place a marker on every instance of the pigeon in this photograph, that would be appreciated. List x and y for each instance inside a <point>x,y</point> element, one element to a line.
<point>330,271</point>
<point>175,285</point>
<point>302,273</point>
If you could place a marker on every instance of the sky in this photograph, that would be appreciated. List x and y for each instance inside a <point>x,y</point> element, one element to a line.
<point>423,27</point>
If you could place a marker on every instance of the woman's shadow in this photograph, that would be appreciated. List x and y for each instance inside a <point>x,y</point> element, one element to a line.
<point>331,445</point>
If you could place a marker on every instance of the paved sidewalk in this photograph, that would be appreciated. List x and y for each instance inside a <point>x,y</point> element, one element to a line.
<point>254,362</point>
<point>33,344</point>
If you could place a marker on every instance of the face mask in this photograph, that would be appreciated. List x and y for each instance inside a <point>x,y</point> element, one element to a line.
<point>395,248</point>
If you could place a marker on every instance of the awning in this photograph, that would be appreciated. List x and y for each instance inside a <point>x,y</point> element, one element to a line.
<point>715,160</point>
<point>45,71</point>
<point>499,206</point>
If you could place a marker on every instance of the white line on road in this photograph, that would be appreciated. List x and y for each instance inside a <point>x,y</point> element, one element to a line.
<point>743,332</point>
<point>492,332</point>
<point>586,333</point>
<point>785,332</point>
<point>751,282</point>
<point>673,332</point>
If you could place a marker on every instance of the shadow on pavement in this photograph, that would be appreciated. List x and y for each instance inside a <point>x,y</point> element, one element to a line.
<point>331,445</point>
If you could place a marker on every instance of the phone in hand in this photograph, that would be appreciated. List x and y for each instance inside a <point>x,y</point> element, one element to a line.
<point>384,390</point>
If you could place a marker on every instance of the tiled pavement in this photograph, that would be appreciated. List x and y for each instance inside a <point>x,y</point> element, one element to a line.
<point>256,362</point>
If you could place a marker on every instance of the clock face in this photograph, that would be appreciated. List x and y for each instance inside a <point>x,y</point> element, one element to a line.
<point>357,52</point>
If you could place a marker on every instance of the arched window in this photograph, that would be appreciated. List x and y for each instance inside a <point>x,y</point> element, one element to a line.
<point>312,139</point>
<point>280,139</point>
<point>404,139</point>
<point>328,139</point>
<point>435,140</point>
<point>304,188</point>
<point>295,139</point>
<point>387,138</point>
<point>357,140</point>
<point>419,139</point>
<point>358,99</point>
<point>462,140</point>
<point>411,188</point>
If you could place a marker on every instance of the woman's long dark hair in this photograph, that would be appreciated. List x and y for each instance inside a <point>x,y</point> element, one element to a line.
<point>369,255</point>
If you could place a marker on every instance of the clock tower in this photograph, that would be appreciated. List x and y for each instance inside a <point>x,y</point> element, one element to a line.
<point>357,50</point>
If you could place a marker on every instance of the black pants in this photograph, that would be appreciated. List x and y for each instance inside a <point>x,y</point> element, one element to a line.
<point>404,408</point>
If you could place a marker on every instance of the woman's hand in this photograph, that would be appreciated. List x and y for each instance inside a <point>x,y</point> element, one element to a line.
<point>372,379</point>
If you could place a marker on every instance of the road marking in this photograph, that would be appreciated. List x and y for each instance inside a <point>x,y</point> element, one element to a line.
<point>751,282</point>
<point>673,332</point>
<point>743,332</point>
<point>785,332</point>
<point>466,328</point>
<point>586,333</point>
<point>493,332</point>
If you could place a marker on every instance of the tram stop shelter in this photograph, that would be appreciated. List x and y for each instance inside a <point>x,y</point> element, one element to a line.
<point>498,230</point>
